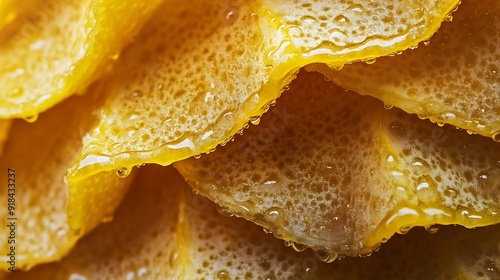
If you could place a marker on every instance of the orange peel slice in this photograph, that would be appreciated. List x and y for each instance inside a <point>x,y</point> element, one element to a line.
<point>59,48</point>
<point>342,174</point>
<point>454,80</point>
<point>201,70</point>
<point>163,231</point>
<point>49,219</point>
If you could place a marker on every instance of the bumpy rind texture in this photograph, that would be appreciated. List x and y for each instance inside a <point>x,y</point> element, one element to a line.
<point>337,172</point>
<point>54,48</point>
<point>164,231</point>
<point>201,70</point>
<point>453,78</point>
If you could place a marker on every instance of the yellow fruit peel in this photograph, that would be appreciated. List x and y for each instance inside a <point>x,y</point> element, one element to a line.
<point>60,47</point>
<point>40,154</point>
<point>163,231</point>
<point>201,70</point>
<point>455,79</point>
<point>142,240</point>
<point>342,174</point>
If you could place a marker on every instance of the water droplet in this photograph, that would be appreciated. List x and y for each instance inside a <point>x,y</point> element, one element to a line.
<point>448,17</point>
<point>496,137</point>
<point>197,156</point>
<point>388,106</point>
<point>225,211</point>
<point>448,116</point>
<point>366,255</point>
<point>325,256</point>
<point>451,193</point>
<point>432,229</point>
<point>255,120</point>
<point>427,42</point>
<point>404,229</point>
<point>223,275</point>
<point>422,185</point>
<point>31,119</point>
<point>275,215</point>
<point>296,246</point>
<point>172,258</point>
<point>267,231</point>
<point>421,166</point>
<point>370,60</point>
<point>122,172</point>
<point>470,132</point>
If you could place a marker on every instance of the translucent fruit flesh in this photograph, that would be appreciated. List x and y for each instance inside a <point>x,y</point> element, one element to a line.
<point>56,48</point>
<point>40,153</point>
<point>455,80</point>
<point>163,231</point>
<point>201,70</point>
<point>342,174</point>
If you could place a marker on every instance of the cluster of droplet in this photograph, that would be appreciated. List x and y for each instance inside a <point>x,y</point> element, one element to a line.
<point>231,248</point>
<point>185,80</point>
<point>326,27</point>
<point>307,172</point>
<point>455,80</point>
<point>444,174</point>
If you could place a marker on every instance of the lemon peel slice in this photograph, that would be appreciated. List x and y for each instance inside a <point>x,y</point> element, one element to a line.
<point>60,48</point>
<point>454,80</point>
<point>40,153</point>
<point>342,174</point>
<point>163,231</point>
<point>201,70</point>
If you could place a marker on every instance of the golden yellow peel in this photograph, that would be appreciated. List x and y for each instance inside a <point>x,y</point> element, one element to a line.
<point>163,231</point>
<point>455,79</point>
<point>59,48</point>
<point>339,173</point>
<point>49,219</point>
<point>201,70</point>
